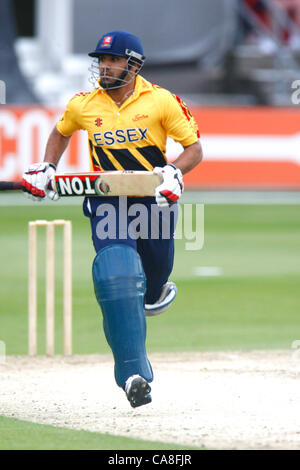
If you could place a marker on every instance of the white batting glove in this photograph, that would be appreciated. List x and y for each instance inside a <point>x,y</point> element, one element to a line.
<point>36,179</point>
<point>172,186</point>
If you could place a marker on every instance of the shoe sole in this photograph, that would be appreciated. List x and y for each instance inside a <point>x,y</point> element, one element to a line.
<point>139,393</point>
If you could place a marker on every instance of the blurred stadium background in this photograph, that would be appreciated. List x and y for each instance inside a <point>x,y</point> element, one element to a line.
<point>234,62</point>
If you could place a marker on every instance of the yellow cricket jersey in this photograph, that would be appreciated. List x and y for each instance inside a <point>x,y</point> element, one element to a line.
<point>132,137</point>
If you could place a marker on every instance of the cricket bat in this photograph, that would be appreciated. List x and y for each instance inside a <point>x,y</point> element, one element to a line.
<point>105,183</point>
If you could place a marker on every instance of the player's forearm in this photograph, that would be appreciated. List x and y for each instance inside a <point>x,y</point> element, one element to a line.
<point>189,158</point>
<point>56,146</point>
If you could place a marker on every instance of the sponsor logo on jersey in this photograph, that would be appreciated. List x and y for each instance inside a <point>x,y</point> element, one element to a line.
<point>120,136</point>
<point>82,93</point>
<point>138,117</point>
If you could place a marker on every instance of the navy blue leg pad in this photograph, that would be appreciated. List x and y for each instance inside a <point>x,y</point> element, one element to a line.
<point>120,284</point>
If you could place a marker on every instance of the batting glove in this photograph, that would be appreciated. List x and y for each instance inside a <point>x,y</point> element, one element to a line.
<point>172,186</point>
<point>36,179</point>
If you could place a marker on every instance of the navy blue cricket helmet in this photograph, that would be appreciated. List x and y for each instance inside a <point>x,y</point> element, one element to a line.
<point>120,43</point>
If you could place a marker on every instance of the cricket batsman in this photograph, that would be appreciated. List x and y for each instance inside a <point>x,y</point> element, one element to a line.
<point>128,120</point>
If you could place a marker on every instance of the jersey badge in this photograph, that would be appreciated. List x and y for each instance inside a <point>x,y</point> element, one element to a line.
<point>98,122</point>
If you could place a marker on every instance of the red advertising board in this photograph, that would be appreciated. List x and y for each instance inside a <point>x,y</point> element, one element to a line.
<point>243,148</point>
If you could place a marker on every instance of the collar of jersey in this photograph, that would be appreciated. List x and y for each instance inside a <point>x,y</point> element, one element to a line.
<point>141,86</point>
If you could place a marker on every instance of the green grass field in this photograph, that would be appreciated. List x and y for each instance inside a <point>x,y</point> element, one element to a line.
<point>253,303</point>
<point>32,436</point>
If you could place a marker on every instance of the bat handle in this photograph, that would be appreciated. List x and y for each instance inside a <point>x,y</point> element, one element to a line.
<point>17,186</point>
<point>10,185</point>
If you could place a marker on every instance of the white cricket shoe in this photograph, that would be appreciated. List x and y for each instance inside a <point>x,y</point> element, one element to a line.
<point>137,391</point>
<point>168,294</point>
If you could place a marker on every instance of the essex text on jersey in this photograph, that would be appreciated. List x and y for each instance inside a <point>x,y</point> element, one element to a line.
<point>120,136</point>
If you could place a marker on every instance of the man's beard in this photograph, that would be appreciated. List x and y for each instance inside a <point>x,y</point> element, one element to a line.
<point>119,82</point>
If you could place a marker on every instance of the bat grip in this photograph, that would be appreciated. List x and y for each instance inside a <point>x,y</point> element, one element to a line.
<point>16,185</point>
<point>10,185</point>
